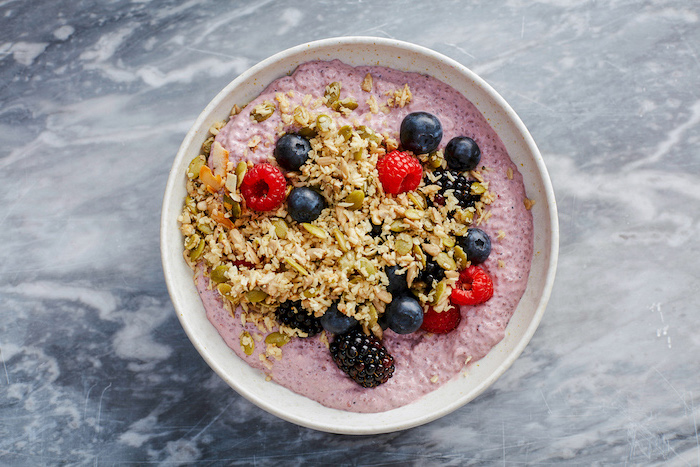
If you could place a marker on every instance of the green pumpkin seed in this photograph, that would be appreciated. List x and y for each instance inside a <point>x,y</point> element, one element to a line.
<point>281,228</point>
<point>369,134</point>
<point>298,267</point>
<point>206,146</point>
<point>262,112</point>
<point>434,160</point>
<point>255,296</point>
<point>445,262</point>
<point>224,289</point>
<point>403,246</point>
<point>247,343</point>
<point>332,92</point>
<point>418,200</point>
<point>203,226</point>
<point>440,289</point>
<point>367,267</point>
<point>192,241</point>
<point>190,204</point>
<point>413,214</point>
<point>323,123</point>
<point>398,226</point>
<point>418,253</point>
<point>197,252</point>
<point>235,210</point>
<point>345,132</point>
<point>357,197</point>
<point>241,169</point>
<point>315,231</point>
<point>301,115</point>
<point>307,132</point>
<point>195,166</point>
<point>277,338</point>
<point>218,274</point>
<point>340,238</point>
<point>478,188</point>
<point>308,294</point>
<point>460,257</point>
<point>347,103</point>
<point>448,242</point>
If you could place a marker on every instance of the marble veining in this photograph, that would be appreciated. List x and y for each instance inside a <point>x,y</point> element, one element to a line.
<point>95,98</point>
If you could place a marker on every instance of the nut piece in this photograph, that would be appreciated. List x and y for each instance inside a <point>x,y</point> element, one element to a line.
<point>262,112</point>
<point>367,83</point>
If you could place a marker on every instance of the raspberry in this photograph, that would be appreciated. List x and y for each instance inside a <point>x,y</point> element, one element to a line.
<point>264,187</point>
<point>399,172</point>
<point>291,313</point>
<point>441,323</point>
<point>473,287</point>
<point>363,358</point>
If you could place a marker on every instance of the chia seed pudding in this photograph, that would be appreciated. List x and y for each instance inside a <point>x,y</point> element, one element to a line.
<point>393,205</point>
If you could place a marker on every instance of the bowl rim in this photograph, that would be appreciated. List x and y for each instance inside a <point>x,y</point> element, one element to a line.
<point>168,262</point>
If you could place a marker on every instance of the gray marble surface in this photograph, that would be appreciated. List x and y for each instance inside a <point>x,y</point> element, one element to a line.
<point>95,98</point>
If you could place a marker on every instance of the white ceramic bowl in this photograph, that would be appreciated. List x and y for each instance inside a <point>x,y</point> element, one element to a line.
<point>280,401</point>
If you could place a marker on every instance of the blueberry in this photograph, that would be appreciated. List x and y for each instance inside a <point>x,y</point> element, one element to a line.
<point>420,132</point>
<point>292,151</point>
<point>336,322</point>
<point>476,244</point>
<point>397,282</point>
<point>305,204</point>
<point>462,154</point>
<point>404,315</point>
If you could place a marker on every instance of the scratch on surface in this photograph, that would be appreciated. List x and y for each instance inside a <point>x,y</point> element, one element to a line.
<point>545,402</point>
<point>685,404</point>
<point>87,398</point>
<point>460,49</point>
<point>7,376</point>
<point>210,52</point>
<point>213,420</point>
<point>695,426</point>
<point>99,408</point>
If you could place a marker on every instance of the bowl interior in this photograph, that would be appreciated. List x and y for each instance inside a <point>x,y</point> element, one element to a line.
<point>280,401</point>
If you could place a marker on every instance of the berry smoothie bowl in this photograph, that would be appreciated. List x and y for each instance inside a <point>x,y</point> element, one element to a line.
<point>359,235</point>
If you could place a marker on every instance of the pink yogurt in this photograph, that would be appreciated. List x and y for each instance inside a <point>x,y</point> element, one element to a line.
<point>423,361</point>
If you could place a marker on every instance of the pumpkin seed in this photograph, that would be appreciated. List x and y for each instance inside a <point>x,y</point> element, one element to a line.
<point>262,112</point>
<point>332,92</point>
<point>224,289</point>
<point>191,241</point>
<point>255,296</point>
<point>398,226</point>
<point>440,289</point>
<point>345,132</point>
<point>197,252</point>
<point>241,169</point>
<point>448,242</point>
<point>247,343</point>
<point>299,268</point>
<point>403,247</point>
<point>206,145</point>
<point>413,214</point>
<point>277,338</point>
<point>445,262</point>
<point>190,204</point>
<point>203,226</point>
<point>340,238</point>
<point>347,103</point>
<point>478,188</point>
<point>307,132</point>
<point>418,200</point>
<point>369,134</point>
<point>195,166</point>
<point>323,123</point>
<point>460,257</point>
<point>314,230</point>
<point>418,253</point>
<point>367,267</point>
<point>357,197</point>
<point>218,274</point>
<point>235,209</point>
<point>281,229</point>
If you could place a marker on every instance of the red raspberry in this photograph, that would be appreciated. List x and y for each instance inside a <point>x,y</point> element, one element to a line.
<point>473,287</point>
<point>399,172</point>
<point>441,323</point>
<point>264,187</point>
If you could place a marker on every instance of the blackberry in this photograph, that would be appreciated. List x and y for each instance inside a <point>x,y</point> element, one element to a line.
<point>291,313</point>
<point>363,358</point>
<point>432,271</point>
<point>459,183</point>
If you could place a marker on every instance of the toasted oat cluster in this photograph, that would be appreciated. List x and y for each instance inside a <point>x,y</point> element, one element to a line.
<point>259,260</point>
